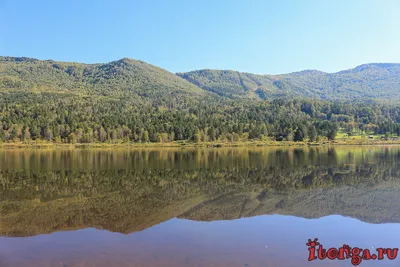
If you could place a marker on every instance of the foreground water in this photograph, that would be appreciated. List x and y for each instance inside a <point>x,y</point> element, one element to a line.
<point>209,207</point>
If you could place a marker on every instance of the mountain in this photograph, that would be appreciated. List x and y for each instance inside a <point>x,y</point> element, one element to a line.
<point>368,81</point>
<point>133,102</point>
<point>124,77</point>
<point>133,78</point>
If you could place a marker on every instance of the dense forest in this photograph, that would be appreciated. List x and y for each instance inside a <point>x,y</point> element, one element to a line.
<point>131,101</point>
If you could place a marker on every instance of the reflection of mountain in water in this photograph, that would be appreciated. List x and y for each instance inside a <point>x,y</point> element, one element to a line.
<point>127,191</point>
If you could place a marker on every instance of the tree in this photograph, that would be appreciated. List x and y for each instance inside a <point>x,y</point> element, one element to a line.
<point>290,135</point>
<point>254,133</point>
<point>163,138</point>
<point>171,136</point>
<point>27,134</point>
<point>332,131</point>
<point>298,135</point>
<point>72,138</point>
<point>17,132</point>
<point>312,134</point>
<point>145,137</point>
<point>102,134</point>
<point>197,137</point>
<point>48,134</point>
<point>211,134</point>
<point>235,137</point>
<point>7,135</point>
<point>113,135</point>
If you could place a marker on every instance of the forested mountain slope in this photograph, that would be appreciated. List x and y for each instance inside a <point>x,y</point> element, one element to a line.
<point>132,101</point>
<point>124,77</point>
<point>369,81</point>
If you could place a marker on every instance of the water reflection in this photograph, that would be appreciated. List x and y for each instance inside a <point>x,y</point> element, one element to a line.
<point>140,192</point>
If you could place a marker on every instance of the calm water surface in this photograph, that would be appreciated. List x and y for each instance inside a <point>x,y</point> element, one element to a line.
<point>196,207</point>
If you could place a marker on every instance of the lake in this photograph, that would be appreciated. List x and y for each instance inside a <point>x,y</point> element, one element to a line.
<point>197,207</point>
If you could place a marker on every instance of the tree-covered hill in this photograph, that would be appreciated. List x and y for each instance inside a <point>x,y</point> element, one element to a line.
<point>135,78</point>
<point>125,77</point>
<point>369,81</point>
<point>132,101</point>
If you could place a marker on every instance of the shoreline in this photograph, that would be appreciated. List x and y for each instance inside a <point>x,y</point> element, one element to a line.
<point>186,144</point>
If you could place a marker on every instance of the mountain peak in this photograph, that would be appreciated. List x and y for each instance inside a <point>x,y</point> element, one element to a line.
<point>127,60</point>
<point>123,60</point>
<point>307,72</point>
<point>375,66</point>
<point>17,59</point>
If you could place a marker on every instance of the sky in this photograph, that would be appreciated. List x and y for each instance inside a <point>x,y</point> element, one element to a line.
<point>257,36</point>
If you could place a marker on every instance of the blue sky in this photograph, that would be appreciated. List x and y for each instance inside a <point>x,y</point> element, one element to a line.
<point>265,37</point>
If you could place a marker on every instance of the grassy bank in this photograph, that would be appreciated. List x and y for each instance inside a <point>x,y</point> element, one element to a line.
<point>183,144</point>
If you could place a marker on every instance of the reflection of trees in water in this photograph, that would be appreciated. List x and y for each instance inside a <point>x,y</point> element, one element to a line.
<point>127,191</point>
<point>167,158</point>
